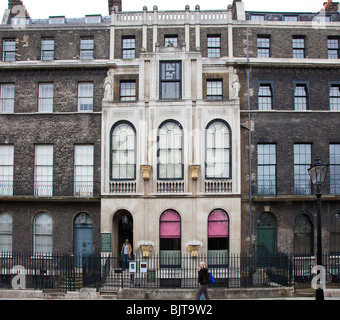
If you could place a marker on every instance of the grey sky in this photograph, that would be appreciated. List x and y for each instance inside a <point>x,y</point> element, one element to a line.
<point>79,8</point>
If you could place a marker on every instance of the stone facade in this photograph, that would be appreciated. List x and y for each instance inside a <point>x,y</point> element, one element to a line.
<point>213,73</point>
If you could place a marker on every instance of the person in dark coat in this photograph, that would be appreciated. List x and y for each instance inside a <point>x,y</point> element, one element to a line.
<point>203,278</point>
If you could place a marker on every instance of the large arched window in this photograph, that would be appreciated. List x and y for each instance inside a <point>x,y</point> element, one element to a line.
<point>218,237</point>
<point>43,234</point>
<point>170,238</point>
<point>303,234</point>
<point>123,152</point>
<point>335,233</point>
<point>218,150</point>
<point>5,232</point>
<point>170,151</point>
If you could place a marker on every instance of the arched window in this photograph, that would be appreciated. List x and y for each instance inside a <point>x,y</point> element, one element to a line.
<point>5,232</point>
<point>170,151</point>
<point>43,234</point>
<point>218,150</point>
<point>303,235</point>
<point>123,152</point>
<point>218,237</point>
<point>170,238</point>
<point>335,233</point>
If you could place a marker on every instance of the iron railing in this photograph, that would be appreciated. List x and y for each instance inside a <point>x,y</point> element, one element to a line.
<point>66,272</point>
<point>294,187</point>
<point>55,188</point>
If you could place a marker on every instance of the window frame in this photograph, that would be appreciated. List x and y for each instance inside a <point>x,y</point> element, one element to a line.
<point>171,43</point>
<point>270,84</point>
<point>210,46</point>
<point>46,188</point>
<point>127,97</point>
<point>167,163</point>
<point>5,99</point>
<point>48,235</point>
<point>7,233</point>
<point>215,177</point>
<point>272,166</point>
<point>331,49</point>
<point>219,95</point>
<point>298,49</point>
<point>297,245</point>
<point>334,168</point>
<point>47,50</point>
<point>304,84</point>
<point>128,51</point>
<point>116,125</point>
<point>263,49</point>
<point>83,188</point>
<point>6,166</point>
<point>306,185</point>
<point>86,49</point>
<point>334,84</point>
<point>43,99</point>
<point>177,71</point>
<point>81,97</point>
<point>10,52</point>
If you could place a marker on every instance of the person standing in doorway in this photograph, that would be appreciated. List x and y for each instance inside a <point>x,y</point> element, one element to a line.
<point>203,279</point>
<point>126,253</point>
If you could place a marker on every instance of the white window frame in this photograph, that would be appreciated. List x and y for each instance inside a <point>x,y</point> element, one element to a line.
<point>85,97</point>
<point>45,97</point>
<point>6,170</point>
<point>83,170</point>
<point>7,95</point>
<point>43,170</point>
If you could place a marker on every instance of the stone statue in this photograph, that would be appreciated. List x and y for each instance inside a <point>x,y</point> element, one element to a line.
<point>235,85</point>
<point>108,86</point>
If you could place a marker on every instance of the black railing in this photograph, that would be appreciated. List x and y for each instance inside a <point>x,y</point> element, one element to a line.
<point>55,188</point>
<point>295,187</point>
<point>66,272</point>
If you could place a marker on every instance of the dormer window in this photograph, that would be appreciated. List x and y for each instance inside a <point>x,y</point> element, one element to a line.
<point>93,19</point>
<point>56,20</point>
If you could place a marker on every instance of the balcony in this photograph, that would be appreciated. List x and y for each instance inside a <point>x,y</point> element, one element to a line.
<point>218,186</point>
<point>293,189</point>
<point>47,189</point>
<point>122,187</point>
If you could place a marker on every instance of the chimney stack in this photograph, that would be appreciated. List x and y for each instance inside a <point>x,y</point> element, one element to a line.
<point>12,4</point>
<point>115,4</point>
<point>331,6</point>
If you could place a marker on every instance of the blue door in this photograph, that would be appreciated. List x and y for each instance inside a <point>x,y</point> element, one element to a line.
<point>83,237</point>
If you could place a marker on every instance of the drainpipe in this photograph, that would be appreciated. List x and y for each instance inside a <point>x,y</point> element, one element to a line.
<point>250,162</point>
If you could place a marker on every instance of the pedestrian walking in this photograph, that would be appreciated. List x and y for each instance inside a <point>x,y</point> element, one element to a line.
<point>126,253</point>
<point>203,279</point>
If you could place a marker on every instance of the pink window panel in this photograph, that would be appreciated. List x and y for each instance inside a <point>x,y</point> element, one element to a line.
<point>218,224</point>
<point>170,225</point>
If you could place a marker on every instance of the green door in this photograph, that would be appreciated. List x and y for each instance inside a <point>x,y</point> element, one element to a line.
<point>266,238</point>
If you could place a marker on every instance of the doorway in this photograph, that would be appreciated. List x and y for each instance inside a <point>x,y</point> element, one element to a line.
<point>83,237</point>
<point>122,229</point>
<point>266,237</point>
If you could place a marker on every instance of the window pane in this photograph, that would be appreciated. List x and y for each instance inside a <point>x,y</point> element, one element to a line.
<point>214,46</point>
<point>85,97</point>
<point>266,169</point>
<point>217,151</point>
<point>43,234</point>
<point>170,151</point>
<point>302,162</point>
<point>45,98</point>
<point>123,152</point>
<point>7,98</point>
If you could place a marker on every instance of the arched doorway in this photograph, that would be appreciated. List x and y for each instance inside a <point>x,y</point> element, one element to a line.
<point>82,236</point>
<point>122,229</point>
